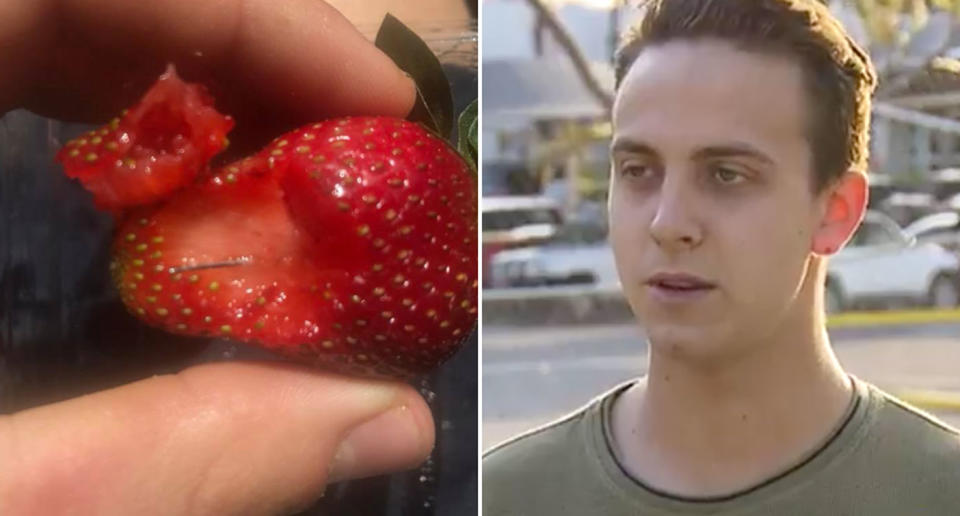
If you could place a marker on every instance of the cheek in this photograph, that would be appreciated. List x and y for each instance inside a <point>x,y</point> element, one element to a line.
<point>627,229</point>
<point>767,261</point>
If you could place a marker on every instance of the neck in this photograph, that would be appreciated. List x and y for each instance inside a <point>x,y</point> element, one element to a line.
<point>705,430</point>
<point>791,367</point>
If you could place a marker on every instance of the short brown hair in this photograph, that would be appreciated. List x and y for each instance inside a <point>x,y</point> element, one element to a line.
<point>840,78</point>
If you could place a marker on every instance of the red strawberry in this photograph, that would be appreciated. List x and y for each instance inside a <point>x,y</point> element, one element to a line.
<point>155,148</point>
<point>349,243</point>
<point>397,208</point>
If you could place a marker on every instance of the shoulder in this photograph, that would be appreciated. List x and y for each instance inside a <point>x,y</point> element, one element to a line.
<point>906,447</point>
<point>525,472</point>
<point>523,475</point>
<point>538,447</point>
<point>917,432</point>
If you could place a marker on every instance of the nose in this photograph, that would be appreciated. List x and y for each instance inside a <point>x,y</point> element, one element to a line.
<point>675,227</point>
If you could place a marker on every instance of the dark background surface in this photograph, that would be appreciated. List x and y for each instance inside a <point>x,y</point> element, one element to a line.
<point>64,332</point>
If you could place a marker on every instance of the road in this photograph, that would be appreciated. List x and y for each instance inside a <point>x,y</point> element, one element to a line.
<point>534,375</point>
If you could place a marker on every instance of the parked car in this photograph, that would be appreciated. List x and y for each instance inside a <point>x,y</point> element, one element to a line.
<point>941,228</point>
<point>516,221</point>
<point>952,202</point>
<point>883,263</point>
<point>577,255</point>
<point>946,183</point>
<point>904,206</point>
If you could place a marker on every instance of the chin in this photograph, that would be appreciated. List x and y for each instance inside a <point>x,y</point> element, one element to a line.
<point>688,342</point>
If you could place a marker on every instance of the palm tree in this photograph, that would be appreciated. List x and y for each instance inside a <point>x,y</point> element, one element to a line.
<point>549,19</point>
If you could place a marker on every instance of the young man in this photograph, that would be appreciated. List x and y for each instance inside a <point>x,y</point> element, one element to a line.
<point>739,157</point>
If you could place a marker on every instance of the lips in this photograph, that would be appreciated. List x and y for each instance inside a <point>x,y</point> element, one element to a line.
<point>679,282</point>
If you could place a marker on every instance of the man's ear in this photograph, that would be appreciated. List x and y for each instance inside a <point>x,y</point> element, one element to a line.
<point>844,203</point>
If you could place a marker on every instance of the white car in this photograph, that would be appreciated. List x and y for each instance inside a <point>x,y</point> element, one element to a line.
<point>514,221</point>
<point>882,263</point>
<point>942,228</point>
<point>520,218</point>
<point>577,255</point>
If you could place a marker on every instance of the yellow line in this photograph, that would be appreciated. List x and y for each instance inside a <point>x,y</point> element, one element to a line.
<point>931,400</point>
<point>893,317</point>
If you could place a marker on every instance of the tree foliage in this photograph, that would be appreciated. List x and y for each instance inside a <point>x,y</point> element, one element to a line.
<point>888,21</point>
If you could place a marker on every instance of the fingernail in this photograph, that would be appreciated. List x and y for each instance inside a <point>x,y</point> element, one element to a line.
<point>384,443</point>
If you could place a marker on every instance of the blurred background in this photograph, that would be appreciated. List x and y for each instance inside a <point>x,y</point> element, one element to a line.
<point>555,325</point>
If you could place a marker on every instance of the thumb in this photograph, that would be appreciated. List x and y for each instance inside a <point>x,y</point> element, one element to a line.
<point>226,438</point>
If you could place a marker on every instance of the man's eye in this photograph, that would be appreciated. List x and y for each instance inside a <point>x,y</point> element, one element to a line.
<point>727,176</point>
<point>635,170</point>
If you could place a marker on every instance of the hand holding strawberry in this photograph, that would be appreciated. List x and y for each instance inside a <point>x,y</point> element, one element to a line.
<point>169,442</point>
<point>349,243</point>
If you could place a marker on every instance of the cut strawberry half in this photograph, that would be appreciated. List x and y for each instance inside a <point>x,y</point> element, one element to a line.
<point>156,147</point>
<point>223,258</point>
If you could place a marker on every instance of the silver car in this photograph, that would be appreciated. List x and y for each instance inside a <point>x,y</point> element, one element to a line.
<point>882,263</point>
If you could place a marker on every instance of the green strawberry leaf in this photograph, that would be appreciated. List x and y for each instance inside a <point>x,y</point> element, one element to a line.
<point>434,106</point>
<point>467,133</point>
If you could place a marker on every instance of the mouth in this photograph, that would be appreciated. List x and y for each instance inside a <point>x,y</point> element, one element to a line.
<point>679,285</point>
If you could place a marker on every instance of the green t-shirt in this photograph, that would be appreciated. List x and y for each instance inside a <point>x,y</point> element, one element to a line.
<point>886,458</point>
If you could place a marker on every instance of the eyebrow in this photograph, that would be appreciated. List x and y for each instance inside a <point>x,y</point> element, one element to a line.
<point>631,146</point>
<point>726,150</point>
